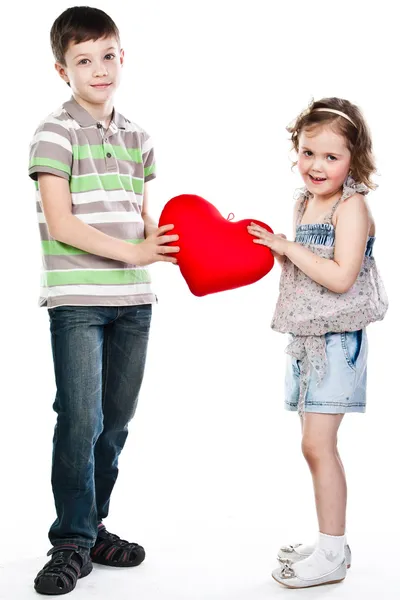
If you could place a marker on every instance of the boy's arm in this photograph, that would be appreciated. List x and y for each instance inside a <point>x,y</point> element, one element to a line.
<point>67,228</point>
<point>150,226</point>
<point>149,165</point>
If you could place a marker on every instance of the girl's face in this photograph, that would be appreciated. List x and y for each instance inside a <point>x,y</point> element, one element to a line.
<point>323,160</point>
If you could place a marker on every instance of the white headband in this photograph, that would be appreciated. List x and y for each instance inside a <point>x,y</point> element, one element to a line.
<point>337,112</point>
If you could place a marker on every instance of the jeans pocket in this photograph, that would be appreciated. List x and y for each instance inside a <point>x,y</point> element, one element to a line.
<point>144,316</point>
<point>351,345</point>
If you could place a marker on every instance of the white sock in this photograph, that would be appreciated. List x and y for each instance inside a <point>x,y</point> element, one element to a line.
<point>328,554</point>
<point>307,549</point>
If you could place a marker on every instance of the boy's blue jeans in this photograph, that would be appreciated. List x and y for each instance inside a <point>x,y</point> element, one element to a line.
<point>99,356</point>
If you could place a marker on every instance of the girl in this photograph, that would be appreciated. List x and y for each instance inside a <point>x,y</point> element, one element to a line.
<point>330,290</point>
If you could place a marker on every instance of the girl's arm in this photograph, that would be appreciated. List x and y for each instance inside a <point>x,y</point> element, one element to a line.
<point>279,257</point>
<point>339,274</point>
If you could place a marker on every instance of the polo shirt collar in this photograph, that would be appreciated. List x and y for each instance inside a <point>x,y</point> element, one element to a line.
<point>85,119</point>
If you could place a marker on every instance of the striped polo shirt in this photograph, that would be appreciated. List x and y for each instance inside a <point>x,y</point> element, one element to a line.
<point>106,171</point>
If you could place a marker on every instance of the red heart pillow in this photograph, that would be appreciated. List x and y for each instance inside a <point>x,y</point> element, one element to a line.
<point>215,254</point>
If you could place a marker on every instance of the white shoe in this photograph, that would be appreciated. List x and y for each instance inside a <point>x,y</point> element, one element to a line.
<point>295,553</point>
<point>287,576</point>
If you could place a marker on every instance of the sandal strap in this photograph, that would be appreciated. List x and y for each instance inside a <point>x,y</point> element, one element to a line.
<point>65,561</point>
<point>111,548</point>
<point>62,547</point>
<point>118,544</point>
<point>113,539</point>
<point>61,573</point>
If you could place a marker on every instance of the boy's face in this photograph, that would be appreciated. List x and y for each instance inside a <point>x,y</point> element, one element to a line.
<point>93,69</point>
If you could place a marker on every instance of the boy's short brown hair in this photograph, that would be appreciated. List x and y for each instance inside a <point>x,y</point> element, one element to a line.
<point>80,24</point>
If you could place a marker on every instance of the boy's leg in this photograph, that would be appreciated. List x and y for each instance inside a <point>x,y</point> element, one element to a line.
<point>125,349</point>
<point>77,343</point>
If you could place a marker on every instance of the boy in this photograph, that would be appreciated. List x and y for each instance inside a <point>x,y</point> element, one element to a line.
<point>92,167</point>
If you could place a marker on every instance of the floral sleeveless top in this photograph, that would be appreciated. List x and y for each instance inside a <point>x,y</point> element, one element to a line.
<point>308,310</point>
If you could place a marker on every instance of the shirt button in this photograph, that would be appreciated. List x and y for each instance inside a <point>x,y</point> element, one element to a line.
<point>108,155</point>
<point>99,125</point>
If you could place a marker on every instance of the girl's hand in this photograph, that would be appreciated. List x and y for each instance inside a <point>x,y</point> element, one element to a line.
<point>276,242</point>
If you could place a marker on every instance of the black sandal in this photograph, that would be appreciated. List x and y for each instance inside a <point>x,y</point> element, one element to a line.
<point>60,575</point>
<point>111,551</point>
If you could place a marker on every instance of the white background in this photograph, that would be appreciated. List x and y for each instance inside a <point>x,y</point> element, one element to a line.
<point>212,478</point>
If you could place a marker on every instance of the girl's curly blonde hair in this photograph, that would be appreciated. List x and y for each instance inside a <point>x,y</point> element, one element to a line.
<point>357,136</point>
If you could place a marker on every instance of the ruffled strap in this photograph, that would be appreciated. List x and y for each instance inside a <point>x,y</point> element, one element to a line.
<point>350,187</point>
<point>301,194</point>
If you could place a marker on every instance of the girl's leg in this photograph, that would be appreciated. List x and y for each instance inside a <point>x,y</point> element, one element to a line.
<point>326,563</point>
<point>305,550</point>
<point>319,447</point>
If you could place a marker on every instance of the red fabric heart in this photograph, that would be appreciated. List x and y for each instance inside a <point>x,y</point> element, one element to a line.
<point>215,254</point>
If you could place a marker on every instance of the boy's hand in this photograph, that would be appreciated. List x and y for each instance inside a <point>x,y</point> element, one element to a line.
<point>276,242</point>
<point>153,249</point>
